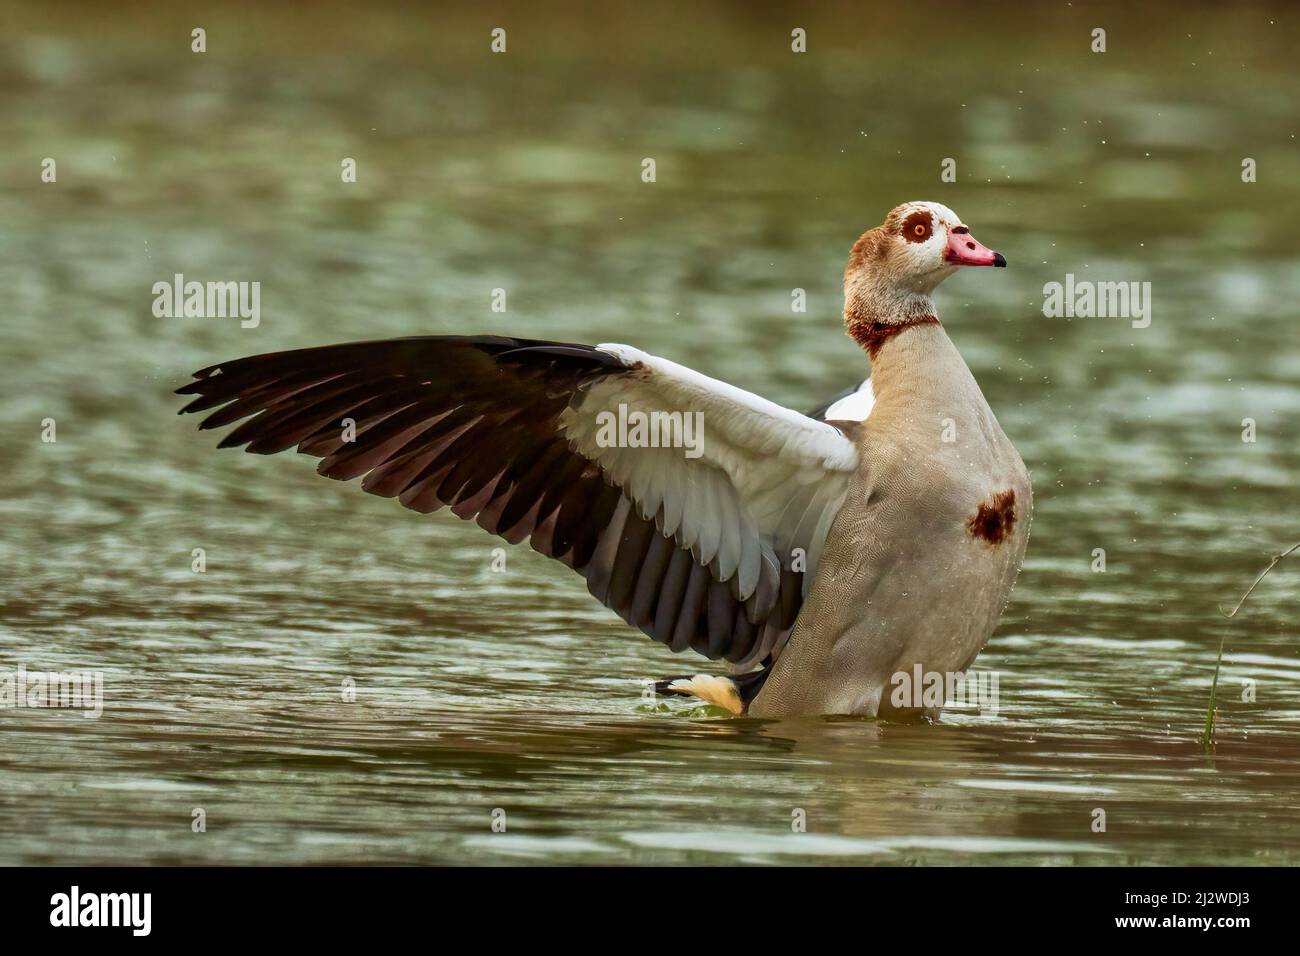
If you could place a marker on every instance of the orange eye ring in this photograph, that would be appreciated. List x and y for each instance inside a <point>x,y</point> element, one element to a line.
<point>920,229</point>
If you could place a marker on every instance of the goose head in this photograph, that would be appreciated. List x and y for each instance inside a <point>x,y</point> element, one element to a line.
<point>894,267</point>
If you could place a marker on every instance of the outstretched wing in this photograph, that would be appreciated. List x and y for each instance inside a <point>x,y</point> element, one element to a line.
<point>707,545</point>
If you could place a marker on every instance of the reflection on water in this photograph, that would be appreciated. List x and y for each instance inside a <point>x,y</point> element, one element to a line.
<point>478,690</point>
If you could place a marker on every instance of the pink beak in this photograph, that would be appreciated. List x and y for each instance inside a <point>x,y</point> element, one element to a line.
<point>965,250</point>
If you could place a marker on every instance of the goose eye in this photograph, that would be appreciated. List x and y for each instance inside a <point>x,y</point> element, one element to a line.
<point>917,226</point>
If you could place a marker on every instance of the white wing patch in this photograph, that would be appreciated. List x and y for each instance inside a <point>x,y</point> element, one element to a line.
<point>855,407</point>
<point>742,417</point>
<point>758,494</point>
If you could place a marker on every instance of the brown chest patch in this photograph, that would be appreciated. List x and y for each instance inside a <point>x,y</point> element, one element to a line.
<point>995,518</point>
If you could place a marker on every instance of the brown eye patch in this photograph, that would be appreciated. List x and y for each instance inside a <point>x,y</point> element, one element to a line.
<point>916,227</point>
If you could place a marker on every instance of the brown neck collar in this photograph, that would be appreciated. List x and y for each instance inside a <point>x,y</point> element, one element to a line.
<point>872,333</point>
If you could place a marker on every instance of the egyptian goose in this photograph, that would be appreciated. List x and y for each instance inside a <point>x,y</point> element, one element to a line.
<point>818,555</point>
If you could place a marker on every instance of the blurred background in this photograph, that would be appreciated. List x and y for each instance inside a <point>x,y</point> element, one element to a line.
<point>479,690</point>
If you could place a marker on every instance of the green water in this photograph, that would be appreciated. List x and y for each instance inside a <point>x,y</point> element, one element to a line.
<point>478,690</point>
